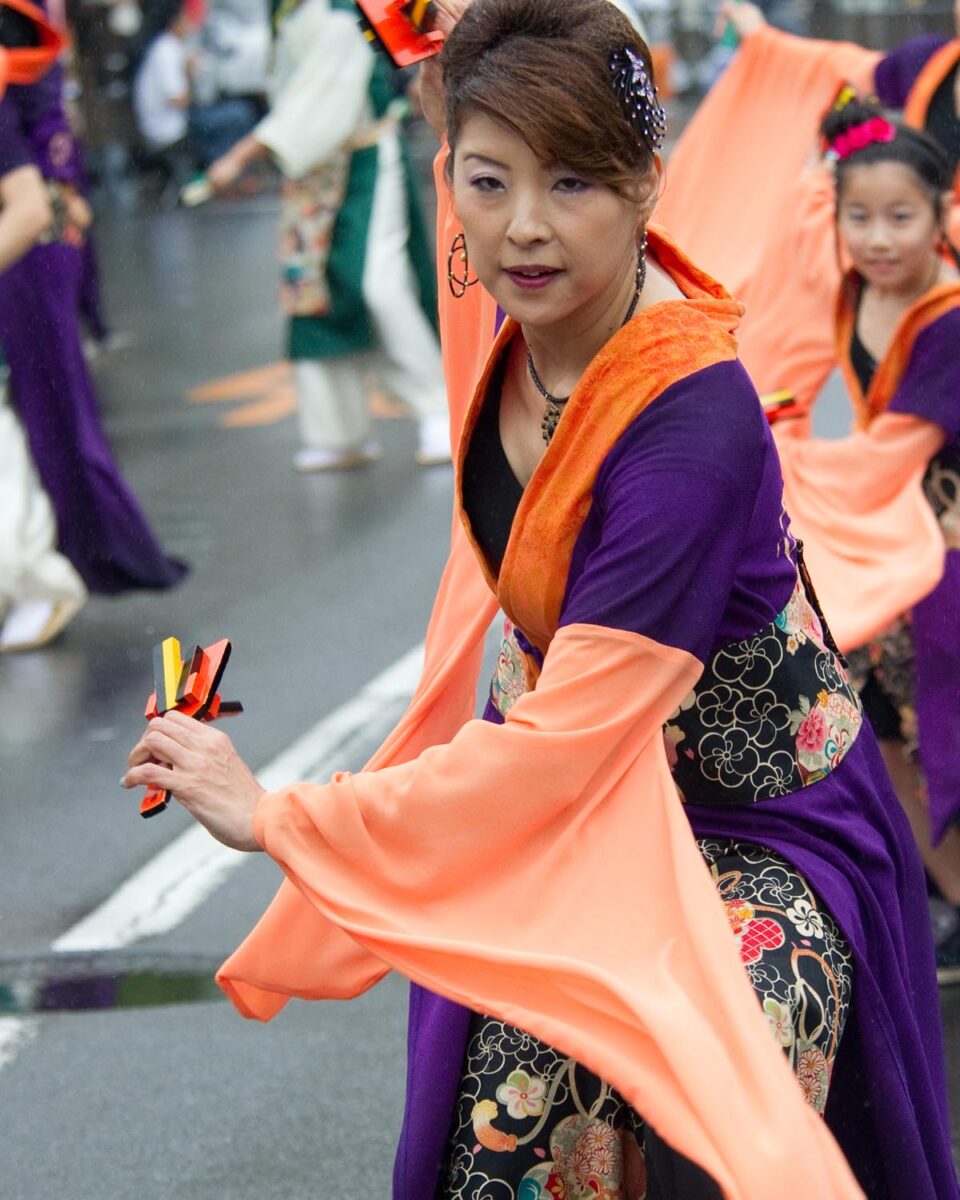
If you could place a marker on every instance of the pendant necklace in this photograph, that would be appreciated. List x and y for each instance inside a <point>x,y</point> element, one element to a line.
<point>554,409</point>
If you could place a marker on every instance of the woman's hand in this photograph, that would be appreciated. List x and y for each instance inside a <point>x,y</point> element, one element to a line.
<point>79,212</point>
<point>198,766</point>
<point>745,17</point>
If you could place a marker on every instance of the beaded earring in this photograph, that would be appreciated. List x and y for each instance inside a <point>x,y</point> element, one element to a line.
<point>458,283</point>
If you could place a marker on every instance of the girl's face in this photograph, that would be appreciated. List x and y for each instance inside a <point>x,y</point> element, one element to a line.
<point>888,223</point>
<point>548,244</point>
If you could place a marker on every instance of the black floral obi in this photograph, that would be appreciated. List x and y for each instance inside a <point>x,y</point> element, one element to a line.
<point>941,484</point>
<point>769,715</point>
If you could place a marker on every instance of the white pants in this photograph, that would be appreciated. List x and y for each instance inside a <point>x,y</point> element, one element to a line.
<point>31,568</point>
<point>332,395</point>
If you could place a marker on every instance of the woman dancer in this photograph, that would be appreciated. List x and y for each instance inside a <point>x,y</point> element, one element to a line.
<point>536,873</point>
<point>101,528</point>
<point>898,342</point>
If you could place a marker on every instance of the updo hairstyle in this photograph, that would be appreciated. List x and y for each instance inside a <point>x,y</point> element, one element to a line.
<point>542,68</point>
<point>911,147</point>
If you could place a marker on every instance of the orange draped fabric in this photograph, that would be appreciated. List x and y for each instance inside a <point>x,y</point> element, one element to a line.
<point>462,854</point>
<point>872,541</point>
<point>923,312</point>
<point>741,201</point>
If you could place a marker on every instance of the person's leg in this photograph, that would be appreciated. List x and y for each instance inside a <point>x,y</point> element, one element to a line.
<point>333,414</point>
<point>39,589</point>
<point>409,358</point>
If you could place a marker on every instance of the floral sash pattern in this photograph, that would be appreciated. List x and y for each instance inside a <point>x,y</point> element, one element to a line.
<point>533,1124</point>
<point>308,212</point>
<point>769,715</point>
<point>941,484</point>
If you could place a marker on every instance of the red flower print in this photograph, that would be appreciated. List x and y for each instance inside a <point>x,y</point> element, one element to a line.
<point>812,734</point>
<point>758,935</point>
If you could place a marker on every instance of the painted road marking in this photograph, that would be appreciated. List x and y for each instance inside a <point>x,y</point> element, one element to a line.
<point>176,881</point>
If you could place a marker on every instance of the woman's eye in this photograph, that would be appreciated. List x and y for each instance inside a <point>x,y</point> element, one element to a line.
<point>900,217</point>
<point>571,184</point>
<point>486,183</point>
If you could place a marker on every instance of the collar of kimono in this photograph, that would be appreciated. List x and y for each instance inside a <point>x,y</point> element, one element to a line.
<point>935,70</point>
<point>657,347</point>
<point>930,307</point>
<point>29,63</point>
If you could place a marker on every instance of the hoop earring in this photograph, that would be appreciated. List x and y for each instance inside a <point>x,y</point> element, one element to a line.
<point>458,284</point>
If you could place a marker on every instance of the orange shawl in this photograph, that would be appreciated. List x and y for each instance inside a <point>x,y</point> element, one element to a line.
<point>923,312</point>
<point>463,854</point>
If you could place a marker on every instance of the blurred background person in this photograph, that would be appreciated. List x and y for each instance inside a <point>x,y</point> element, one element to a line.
<point>101,528</point>
<point>184,123</point>
<point>39,590</point>
<point>357,275</point>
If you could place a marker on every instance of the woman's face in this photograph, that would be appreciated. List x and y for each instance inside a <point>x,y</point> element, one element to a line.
<point>889,226</point>
<point>547,243</point>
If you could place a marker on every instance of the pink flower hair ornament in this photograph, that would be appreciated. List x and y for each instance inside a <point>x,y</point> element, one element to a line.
<point>858,137</point>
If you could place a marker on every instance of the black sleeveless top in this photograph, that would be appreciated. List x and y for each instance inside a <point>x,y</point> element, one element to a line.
<point>491,491</point>
<point>863,363</point>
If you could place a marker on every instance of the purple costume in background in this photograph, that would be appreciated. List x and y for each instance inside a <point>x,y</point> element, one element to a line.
<point>685,544</point>
<point>897,72</point>
<point>930,389</point>
<point>102,529</point>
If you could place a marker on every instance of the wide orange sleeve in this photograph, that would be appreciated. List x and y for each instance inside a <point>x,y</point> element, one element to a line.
<point>467,870</point>
<point>737,160</point>
<point>871,541</point>
<point>787,338</point>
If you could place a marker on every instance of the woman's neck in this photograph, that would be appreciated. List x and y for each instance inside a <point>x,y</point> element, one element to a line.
<point>562,352</point>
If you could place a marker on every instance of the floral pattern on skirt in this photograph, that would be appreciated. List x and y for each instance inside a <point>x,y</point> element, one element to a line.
<point>888,662</point>
<point>532,1124</point>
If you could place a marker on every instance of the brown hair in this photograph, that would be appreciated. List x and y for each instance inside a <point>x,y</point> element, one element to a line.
<point>542,67</point>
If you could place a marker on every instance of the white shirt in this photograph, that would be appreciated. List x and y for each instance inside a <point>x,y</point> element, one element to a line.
<point>162,77</point>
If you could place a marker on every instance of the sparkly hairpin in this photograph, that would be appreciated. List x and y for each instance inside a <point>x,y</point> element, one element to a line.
<point>637,95</point>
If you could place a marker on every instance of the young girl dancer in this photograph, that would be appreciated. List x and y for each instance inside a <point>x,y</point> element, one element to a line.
<point>898,343</point>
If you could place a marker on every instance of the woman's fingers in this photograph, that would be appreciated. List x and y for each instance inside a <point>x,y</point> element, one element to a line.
<point>200,768</point>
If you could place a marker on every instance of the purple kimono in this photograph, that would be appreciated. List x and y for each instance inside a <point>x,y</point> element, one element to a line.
<point>686,543</point>
<point>102,529</point>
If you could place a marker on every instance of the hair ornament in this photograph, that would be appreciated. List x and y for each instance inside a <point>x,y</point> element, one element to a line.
<point>844,96</point>
<point>858,137</point>
<point>637,95</point>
